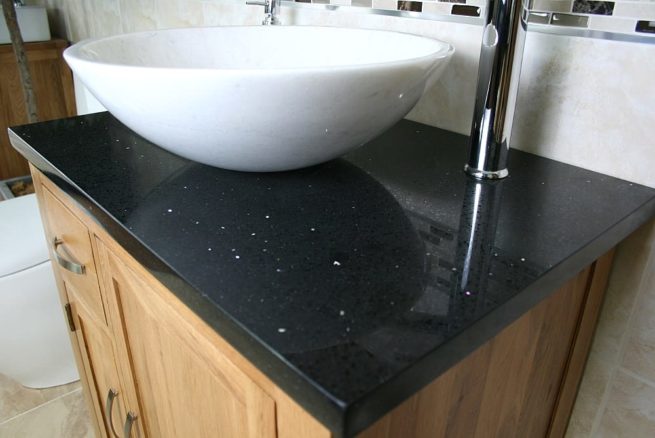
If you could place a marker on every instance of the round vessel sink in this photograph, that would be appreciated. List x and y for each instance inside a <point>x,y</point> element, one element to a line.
<point>259,98</point>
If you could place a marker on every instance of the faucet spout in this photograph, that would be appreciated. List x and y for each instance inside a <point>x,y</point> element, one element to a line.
<point>271,10</point>
<point>498,80</point>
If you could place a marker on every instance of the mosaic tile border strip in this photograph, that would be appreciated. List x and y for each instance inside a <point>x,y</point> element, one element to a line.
<point>631,20</point>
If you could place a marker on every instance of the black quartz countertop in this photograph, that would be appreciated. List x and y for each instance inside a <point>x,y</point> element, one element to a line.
<point>354,283</point>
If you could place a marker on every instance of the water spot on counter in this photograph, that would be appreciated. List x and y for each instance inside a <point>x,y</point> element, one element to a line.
<point>253,234</point>
<point>237,257</point>
<point>522,259</point>
<point>312,229</point>
<point>267,217</point>
<point>282,330</point>
<point>209,249</point>
<point>170,210</point>
<point>342,312</point>
<point>278,270</point>
<point>336,263</point>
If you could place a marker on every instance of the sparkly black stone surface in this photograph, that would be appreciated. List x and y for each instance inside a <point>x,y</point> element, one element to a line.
<point>354,283</point>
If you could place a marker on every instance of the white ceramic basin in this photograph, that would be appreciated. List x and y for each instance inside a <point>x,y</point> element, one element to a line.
<point>259,98</point>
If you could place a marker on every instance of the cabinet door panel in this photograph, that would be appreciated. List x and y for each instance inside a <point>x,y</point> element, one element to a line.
<point>186,386</point>
<point>98,358</point>
<point>75,247</point>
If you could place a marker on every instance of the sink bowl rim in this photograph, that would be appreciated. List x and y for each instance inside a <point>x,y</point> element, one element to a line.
<point>75,53</point>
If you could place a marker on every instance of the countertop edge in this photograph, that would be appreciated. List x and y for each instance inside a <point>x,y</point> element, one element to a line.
<point>406,384</point>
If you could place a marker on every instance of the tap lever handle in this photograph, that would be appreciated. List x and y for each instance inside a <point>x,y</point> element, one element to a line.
<point>263,3</point>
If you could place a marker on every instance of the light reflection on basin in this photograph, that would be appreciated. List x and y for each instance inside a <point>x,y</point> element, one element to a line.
<point>259,98</point>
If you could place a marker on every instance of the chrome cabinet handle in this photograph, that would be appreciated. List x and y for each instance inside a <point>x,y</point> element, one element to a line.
<point>73,267</point>
<point>129,421</point>
<point>111,395</point>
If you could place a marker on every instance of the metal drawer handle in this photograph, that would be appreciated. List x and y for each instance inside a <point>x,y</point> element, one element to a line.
<point>111,395</point>
<point>73,267</point>
<point>129,421</point>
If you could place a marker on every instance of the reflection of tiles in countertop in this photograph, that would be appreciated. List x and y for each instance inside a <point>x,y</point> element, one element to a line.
<point>57,412</point>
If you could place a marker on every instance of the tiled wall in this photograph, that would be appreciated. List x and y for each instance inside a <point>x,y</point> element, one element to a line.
<point>588,102</point>
<point>620,16</point>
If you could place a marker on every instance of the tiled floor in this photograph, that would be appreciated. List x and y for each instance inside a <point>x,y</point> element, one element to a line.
<point>58,412</point>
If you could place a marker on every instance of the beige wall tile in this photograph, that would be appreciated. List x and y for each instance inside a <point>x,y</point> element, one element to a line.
<point>16,399</point>
<point>629,411</point>
<point>103,17</point>
<point>587,102</point>
<point>640,346</point>
<point>595,382</point>
<point>65,417</point>
<point>630,267</point>
<point>78,28</point>
<point>179,13</point>
<point>644,10</point>
<point>224,13</point>
<point>138,15</point>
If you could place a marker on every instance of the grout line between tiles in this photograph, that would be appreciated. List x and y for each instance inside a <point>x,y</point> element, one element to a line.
<point>642,289</point>
<point>39,406</point>
<point>636,376</point>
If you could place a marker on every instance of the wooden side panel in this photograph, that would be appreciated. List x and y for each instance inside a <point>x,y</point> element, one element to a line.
<point>582,345</point>
<point>53,87</point>
<point>509,387</point>
<point>185,386</point>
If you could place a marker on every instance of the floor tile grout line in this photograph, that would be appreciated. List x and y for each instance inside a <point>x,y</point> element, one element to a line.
<point>39,406</point>
<point>650,261</point>
<point>636,376</point>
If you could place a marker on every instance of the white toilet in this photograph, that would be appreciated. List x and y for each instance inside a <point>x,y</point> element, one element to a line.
<point>35,348</point>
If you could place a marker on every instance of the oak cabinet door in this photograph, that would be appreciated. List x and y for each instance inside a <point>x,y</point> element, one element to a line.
<point>186,387</point>
<point>99,362</point>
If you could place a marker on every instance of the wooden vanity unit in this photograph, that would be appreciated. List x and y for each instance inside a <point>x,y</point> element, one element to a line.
<point>151,367</point>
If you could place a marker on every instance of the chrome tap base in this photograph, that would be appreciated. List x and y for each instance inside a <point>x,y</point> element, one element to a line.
<point>485,174</point>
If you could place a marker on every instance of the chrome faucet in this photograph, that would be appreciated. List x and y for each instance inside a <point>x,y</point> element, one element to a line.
<point>271,9</point>
<point>501,54</point>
